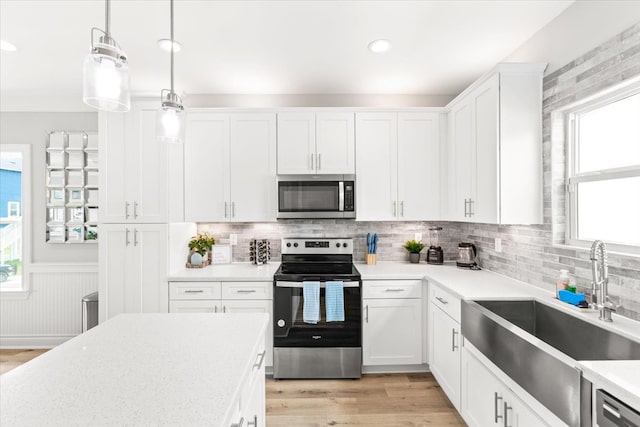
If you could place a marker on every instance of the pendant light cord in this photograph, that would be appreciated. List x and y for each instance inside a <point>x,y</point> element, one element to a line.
<point>107,17</point>
<point>172,45</point>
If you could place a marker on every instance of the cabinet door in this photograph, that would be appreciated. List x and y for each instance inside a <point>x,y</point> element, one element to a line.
<point>114,262</point>
<point>482,394</point>
<point>115,201</point>
<point>252,161</point>
<point>391,333</point>
<point>206,167</point>
<point>150,245</point>
<point>335,143</point>
<point>195,306</point>
<point>376,166</point>
<point>461,137</point>
<point>485,134</point>
<point>521,415</point>
<point>418,166</point>
<point>445,361</point>
<point>297,143</point>
<point>148,178</point>
<point>254,306</point>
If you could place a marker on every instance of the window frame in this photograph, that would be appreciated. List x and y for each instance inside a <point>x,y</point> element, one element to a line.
<point>25,207</point>
<point>572,179</point>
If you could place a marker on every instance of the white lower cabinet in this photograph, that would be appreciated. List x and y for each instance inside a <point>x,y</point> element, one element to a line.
<point>249,410</point>
<point>392,332</point>
<point>487,401</point>
<point>445,358</point>
<point>225,297</point>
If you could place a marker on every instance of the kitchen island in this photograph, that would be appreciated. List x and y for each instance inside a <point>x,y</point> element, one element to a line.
<point>151,369</point>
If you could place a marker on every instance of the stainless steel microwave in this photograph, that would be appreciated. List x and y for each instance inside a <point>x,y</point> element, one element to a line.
<point>316,196</point>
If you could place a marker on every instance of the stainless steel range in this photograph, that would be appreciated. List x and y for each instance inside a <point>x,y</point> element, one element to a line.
<point>323,347</point>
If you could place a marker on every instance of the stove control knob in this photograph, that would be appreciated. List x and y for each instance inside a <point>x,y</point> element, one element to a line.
<point>288,245</point>
<point>295,245</point>
<point>344,245</point>
<point>337,245</point>
<point>281,323</point>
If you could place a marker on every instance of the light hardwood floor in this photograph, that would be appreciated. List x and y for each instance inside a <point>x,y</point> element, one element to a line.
<point>389,400</point>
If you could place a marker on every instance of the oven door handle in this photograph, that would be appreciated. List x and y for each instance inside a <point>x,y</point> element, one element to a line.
<point>282,284</point>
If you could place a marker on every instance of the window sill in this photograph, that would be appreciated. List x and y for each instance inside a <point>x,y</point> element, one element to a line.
<point>611,249</point>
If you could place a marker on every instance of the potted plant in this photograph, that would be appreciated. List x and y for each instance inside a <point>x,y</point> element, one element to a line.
<point>414,247</point>
<point>201,244</point>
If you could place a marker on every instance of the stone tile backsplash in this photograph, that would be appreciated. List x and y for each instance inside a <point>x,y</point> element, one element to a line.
<point>528,252</point>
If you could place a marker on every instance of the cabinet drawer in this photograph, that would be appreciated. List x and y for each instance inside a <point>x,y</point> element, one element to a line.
<point>194,306</point>
<point>194,290</point>
<point>247,290</point>
<point>392,289</point>
<point>449,303</point>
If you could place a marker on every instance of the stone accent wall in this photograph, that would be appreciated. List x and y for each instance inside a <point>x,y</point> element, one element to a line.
<point>528,253</point>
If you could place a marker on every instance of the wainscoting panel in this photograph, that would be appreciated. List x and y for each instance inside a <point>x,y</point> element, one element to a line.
<point>52,313</point>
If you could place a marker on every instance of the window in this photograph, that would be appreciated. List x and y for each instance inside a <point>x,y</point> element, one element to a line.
<point>603,170</point>
<point>14,214</point>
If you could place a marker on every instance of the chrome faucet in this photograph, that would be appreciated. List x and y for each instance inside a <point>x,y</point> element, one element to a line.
<point>600,299</point>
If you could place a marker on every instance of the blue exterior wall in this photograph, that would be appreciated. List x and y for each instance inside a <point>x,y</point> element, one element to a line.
<point>10,190</point>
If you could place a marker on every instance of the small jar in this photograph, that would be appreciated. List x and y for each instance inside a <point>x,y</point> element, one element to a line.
<point>563,281</point>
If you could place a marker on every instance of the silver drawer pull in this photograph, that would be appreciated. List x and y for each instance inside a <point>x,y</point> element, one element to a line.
<point>454,346</point>
<point>496,398</point>
<point>442,300</point>
<point>394,290</point>
<point>253,423</point>
<point>239,423</point>
<point>261,356</point>
<point>507,408</point>
<point>246,291</point>
<point>193,291</point>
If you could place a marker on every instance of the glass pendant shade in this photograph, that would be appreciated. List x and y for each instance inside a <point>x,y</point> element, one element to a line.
<point>170,124</point>
<point>106,80</point>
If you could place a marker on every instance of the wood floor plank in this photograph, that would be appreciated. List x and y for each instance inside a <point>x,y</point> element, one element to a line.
<point>396,420</point>
<point>312,406</point>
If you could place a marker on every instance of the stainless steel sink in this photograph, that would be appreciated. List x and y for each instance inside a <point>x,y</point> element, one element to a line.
<point>537,346</point>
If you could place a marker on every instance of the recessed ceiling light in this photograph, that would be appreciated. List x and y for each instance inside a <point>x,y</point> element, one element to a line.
<point>7,47</point>
<point>165,44</point>
<point>379,46</point>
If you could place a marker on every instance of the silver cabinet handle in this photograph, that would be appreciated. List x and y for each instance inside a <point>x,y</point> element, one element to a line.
<point>253,423</point>
<point>258,364</point>
<point>442,300</point>
<point>126,240</point>
<point>225,210</point>
<point>496,398</point>
<point>135,209</point>
<point>471,210</point>
<point>311,161</point>
<point>394,205</point>
<point>215,308</point>
<point>135,237</point>
<point>506,409</point>
<point>193,291</point>
<point>466,212</point>
<point>233,209</point>
<point>319,161</point>
<point>366,311</point>
<point>394,290</point>
<point>126,210</point>
<point>453,339</point>
<point>224,308</point>
<point>239,423</point>
<point>402,208</point>
<point>245,291</point>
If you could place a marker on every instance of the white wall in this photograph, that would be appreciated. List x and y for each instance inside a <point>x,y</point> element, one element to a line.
<point>581,27</point>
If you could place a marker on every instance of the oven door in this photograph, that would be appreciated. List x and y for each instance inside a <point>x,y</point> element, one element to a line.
<point>289,329</point>
<point>313,198</point>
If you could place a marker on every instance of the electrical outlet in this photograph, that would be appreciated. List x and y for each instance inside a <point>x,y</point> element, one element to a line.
<point>233,239</point>
<point>498,245</point>
<point>417,237</point>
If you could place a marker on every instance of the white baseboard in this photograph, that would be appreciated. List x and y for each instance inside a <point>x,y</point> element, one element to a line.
<point>395,369</point>
<point>32,342</point>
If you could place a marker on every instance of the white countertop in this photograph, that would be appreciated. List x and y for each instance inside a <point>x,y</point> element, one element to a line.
<point>621,378</point>
<point>238,272</point>
<point>151,369</point>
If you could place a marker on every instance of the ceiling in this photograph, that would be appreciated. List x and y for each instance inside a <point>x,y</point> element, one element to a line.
<point>270,47</point>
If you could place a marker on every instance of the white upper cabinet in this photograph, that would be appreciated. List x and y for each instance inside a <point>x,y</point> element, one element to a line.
<point>495,133</point>
<point>230,167</point>
<point>398,172</point>
<point>138,174</point>
<point>315,144</point>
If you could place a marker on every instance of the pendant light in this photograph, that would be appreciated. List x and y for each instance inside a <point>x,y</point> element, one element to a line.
<point>106,72</point>
<point>170,119</point>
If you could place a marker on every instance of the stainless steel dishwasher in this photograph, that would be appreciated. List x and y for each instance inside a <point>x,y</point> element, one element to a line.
<point>610,412</point>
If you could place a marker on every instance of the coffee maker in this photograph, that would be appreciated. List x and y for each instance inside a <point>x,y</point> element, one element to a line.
<point>435,255</point>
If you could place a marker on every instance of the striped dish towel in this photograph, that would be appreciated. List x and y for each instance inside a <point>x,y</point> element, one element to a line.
<point>334,301</point>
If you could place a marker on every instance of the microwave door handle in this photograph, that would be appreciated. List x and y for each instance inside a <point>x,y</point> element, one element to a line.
<point>341,196</point>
